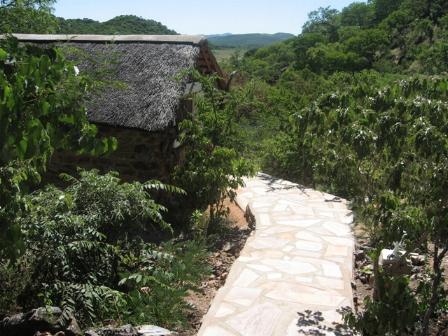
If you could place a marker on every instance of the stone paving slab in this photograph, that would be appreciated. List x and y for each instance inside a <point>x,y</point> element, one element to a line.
<point>299,258</point>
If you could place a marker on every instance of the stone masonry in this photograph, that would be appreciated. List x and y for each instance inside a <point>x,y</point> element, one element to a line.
<point>140,155</point>
<point>299,258</point>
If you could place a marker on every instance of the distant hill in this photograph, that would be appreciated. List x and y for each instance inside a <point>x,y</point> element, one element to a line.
<point>246,41</point>
<point>123,24</point>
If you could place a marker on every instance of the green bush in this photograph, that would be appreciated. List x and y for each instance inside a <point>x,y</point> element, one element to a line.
<point>41,110</point>
<point>394,313</point>
<point>161,279</point>
<point>213,169</point>
<point>83,252</point>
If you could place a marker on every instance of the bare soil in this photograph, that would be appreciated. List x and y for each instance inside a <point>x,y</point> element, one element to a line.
<point>224,250</point>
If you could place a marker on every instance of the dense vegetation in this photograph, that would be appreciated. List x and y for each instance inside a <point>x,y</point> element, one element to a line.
<point>84,246</point>
<point>30,16</point>
<point>120,25</point>
<point>79,248</point>
<point>357,105</point>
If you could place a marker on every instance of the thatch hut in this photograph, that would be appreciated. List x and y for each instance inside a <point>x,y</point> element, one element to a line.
<point>144,109</point>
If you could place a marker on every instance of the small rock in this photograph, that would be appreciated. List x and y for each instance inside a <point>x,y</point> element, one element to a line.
<point>394,265</point>
<point>359,255</point>
<point>49,319</point>
<point>90,333</point>
<point>353,284</point>
<point>417,259</point>
<point>150,330</point>
<point>227,247</point>
<point>213,283</point>
<point>126,330</point>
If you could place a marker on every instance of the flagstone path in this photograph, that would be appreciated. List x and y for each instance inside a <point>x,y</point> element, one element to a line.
<point>298,258</point>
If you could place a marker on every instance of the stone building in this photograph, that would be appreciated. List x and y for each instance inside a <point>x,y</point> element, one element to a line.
<point>144,101</point>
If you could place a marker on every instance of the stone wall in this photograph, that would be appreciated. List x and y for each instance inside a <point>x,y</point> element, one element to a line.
<point>140,155</point>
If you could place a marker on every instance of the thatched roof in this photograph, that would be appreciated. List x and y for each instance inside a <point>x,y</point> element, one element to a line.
<point>146,66</point>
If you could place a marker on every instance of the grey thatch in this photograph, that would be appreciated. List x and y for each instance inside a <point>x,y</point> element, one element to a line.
<point>147,66</point>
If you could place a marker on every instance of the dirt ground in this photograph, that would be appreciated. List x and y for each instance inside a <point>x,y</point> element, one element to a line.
<point>224,250</point>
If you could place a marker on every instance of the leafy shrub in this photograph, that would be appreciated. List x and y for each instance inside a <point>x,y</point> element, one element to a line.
<point>30,16</point>
<point>72,240</point>
<point>41,110</point>
<point>394,313</point>
<point>213,169</point>
<point>14,276</point>
<point>385,147</point>
<point>160,278</point>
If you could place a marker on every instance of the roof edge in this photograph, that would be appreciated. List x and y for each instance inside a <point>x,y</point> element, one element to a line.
<point>174,39</point>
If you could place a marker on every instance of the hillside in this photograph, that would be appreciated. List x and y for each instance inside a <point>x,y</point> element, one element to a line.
<point>247,41</point>
<point>404,36</point>
<point>123,24</point>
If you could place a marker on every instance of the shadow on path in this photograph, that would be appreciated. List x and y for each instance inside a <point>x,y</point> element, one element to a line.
<point>313,323</point>
<point>275,184</point>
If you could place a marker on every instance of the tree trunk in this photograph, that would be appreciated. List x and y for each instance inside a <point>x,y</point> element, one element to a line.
<point>436,282</point>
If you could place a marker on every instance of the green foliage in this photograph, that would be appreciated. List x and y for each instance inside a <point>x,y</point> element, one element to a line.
<point>13,280</point>
<point>71,241</point>
<point>42,106</point>
<point>386,149</point>
<point>357,14</point>
<point>331,57</point>
<point>27,16</point>
<point>383,8</point>
<point>41,110</point>
<point>367,43</point>
<point>119,25</point>
<point>324,21</point>
<point>165,275</point>
<point>83,252</point>
<point>382,34</point>
<point>392,314</point>
<point>212,170</point>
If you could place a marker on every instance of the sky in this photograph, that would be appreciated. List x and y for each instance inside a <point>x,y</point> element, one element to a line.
<point>204,16</point>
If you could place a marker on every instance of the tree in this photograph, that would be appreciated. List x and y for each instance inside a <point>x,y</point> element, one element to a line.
<point>368,43</point>
<point>213,169</point>
<point>357,14</point>
<point>385,7</point>
<point>387,149</point>
<point>41,110</point>
<point>332,57</point>
<point>324,21</point>
<point>431,9</point>
<point>304,42</point>
<point>123,24</point>
<point>27,16</point>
